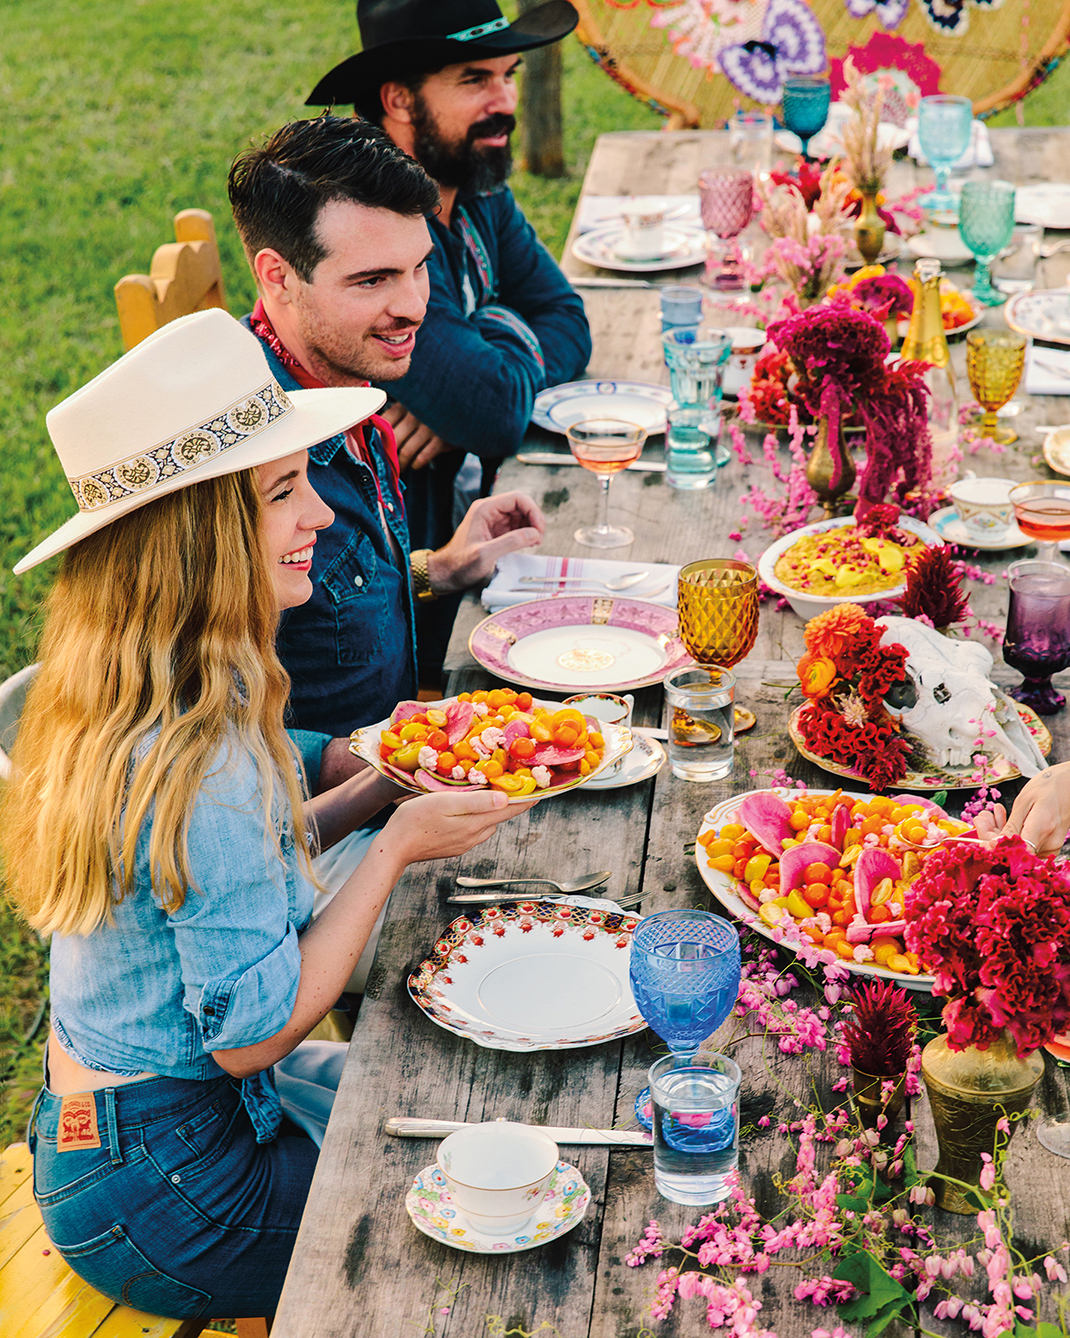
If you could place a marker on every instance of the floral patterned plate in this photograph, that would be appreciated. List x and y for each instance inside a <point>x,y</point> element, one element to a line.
<point>936,778</point>
<point>531,975</point>
<point>564,643</point>
<point>1044,314</point>
<point>723,886</point>
<point>433,1212</point>
<point>364,743</point>
<point>641,402</point>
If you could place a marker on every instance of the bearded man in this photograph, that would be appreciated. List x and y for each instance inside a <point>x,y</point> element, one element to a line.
<point>502,322</point>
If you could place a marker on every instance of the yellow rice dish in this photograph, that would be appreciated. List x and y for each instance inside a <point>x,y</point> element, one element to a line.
<point>846,561</point>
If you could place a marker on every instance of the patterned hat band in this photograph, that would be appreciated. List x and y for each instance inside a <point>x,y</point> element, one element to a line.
<point>242,420</point>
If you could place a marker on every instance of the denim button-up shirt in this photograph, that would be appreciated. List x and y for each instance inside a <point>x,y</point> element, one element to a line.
<point>158,991</point>
<point>350,651</point>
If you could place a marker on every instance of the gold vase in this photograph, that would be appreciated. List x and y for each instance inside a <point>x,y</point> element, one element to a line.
<point>969,1092</point>
<point>869,229</point>
<point>830,471</point>
<point>867,1089</point>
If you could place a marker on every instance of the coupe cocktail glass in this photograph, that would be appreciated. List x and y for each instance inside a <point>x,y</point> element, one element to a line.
<point>986,222</point>
<point>944,127</point>
<point>1042,511</point>
<point>605,446</point>
<point>1037,639</point>
<point>806,105</point>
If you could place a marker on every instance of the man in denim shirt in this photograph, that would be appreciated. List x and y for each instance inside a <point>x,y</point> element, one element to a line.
<point>502,321</point>
<point>331,214</point>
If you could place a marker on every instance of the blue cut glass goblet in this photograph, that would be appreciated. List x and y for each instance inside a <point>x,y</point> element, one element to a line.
<point>944,127</point>
<point>684,973</point>
<point>806,106</point>
<point>986,221</point>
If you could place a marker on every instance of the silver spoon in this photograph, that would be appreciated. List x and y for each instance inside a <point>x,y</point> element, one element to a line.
<point>617,583</point>
<point>578,885</point>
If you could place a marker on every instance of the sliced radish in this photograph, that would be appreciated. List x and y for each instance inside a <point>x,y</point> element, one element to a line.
<point>767,817</point>
<point>862,933</point>
<point>458,721</point>
<point>550,755</point>
<point>794,861</point>
<point>430,782</point>
<point>404,710</point>
<point>871,867</point>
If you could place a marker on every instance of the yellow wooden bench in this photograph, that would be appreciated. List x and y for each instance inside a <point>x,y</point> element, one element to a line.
<point>40,1297</point>
<point>185,276</point>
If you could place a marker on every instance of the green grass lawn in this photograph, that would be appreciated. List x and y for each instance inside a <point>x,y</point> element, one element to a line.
<point>115,115</point>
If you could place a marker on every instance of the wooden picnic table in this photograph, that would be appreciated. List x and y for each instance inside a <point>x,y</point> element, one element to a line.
<point>360,1268</point>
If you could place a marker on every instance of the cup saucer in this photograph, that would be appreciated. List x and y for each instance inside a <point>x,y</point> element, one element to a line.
<point>642,761</point>
<point>952,530</point>
<point>434,1213</point>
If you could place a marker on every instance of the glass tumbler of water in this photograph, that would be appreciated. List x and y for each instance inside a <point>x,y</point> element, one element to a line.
<point>696,1126</point>
<point>697,358</point>
<point>702,730</point>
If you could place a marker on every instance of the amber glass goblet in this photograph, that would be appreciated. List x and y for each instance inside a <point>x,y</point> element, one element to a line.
<point>995,360</point>
<point>718,610</point>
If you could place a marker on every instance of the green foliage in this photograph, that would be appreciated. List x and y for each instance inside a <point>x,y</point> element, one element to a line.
<point>878,1299</point>
<point>871,1188</point>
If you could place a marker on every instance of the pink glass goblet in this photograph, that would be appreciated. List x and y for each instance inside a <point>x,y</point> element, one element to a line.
<point>726,196</point>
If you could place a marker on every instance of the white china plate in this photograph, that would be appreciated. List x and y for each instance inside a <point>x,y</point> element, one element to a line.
<point>434,1213</point>
<point>1044,314</point>
<point>685,246</point>
<point>566,642</point>
<point>1046,203</point>
<point>943,244</point>
<point>531,975</point>
<point>364,742</point>
<point>722,885</point>
<point>952,530</point>
<point>645,760</point>
<point>828,140</point>
<point>639,402</point>
<point>809,606</point>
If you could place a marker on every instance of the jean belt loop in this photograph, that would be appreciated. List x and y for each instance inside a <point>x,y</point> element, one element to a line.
<point>113,1126</point>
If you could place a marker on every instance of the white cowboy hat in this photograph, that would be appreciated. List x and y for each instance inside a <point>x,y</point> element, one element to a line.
<point>193,401</point>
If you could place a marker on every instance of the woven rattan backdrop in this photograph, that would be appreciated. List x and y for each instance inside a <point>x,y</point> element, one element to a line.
<point>669,52</point>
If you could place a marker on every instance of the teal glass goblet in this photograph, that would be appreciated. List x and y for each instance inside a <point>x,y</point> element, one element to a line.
<point>805,105</point>
<point>945,124</point>
<point>986,221</point>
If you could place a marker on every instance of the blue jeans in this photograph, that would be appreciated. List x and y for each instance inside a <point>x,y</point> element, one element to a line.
<point>180,1211</point>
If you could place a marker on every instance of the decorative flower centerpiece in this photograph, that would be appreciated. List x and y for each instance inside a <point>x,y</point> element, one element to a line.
<point>807,256</point>
<point>866,161</point>
<point>846,674</point>
<point>840,354</point>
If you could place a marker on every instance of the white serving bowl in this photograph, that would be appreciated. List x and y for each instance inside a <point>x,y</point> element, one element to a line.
<point>809,606</point>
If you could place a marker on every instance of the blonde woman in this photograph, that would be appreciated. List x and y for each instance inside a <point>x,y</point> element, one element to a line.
<point>156,825</point>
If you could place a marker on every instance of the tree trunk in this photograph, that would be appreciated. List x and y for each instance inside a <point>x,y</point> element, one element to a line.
<point>540,122</point>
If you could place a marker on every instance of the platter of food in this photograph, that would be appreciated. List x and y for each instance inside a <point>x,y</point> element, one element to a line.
<point>501,739</point>
<point>835,562</point>
<point>839,884</point>
<point>997,770</point>
<point>567,642</point>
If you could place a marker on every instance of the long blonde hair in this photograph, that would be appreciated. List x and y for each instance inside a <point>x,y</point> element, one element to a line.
<point>158,648</point>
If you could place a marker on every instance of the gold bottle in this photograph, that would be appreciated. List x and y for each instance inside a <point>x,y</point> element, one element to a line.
<point>926,342</point>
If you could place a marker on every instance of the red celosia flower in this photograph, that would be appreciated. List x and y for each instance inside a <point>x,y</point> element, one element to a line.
<point>934,589</point>
<point>880,1029</point>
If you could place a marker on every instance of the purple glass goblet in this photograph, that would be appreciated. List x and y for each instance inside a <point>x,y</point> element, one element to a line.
<point>1037,639</point>
<point>726,196</point>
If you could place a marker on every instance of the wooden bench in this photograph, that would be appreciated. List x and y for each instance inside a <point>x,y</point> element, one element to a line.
<point>185,276</point>
<point>40,1297</point>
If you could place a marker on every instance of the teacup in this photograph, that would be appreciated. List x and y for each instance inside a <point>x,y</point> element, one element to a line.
<point>984,505</point>
<point>608,707</point>
<point>644,227</point>
<point>498,1173</point>
<point>747,344</point>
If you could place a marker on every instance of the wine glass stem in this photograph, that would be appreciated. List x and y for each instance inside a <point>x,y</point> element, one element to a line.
<point>942,173</point>
<point>603,501</point>
<point>989,423</point>
<point>1048,551</point>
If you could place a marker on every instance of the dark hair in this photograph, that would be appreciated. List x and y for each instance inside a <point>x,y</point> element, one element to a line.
<point>277,192</point>
<point>368,101</point>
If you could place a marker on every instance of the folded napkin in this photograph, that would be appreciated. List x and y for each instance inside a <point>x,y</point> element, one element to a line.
<point>978,154</point>
<point>1042,369</point>
<point>595,210</point>
<point>502,590</point>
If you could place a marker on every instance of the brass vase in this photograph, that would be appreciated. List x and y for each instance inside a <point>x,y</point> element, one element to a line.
<point>869,229</point>
<point>830,471</point>
<point>969,1092</point>
<point>867,1089</point>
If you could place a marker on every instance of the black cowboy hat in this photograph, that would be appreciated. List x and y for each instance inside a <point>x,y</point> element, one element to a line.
<point>410,36</point>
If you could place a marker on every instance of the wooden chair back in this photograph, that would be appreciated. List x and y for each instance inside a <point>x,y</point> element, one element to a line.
<point>185,276</point>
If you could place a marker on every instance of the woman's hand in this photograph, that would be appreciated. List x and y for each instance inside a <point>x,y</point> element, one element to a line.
<point>1040,815</point>
<point>435,826</point>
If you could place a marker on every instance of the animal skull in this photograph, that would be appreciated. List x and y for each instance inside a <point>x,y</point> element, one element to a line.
<point>947,689</point>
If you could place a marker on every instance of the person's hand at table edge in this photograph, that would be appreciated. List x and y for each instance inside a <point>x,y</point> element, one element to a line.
<point>417,444</point>
<point>492,527</point>
<point>1040,815</point>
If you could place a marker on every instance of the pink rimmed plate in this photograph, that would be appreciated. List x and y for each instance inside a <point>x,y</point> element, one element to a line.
<point>531,975</point>
<point>569,642</point>
<point>725,888</point>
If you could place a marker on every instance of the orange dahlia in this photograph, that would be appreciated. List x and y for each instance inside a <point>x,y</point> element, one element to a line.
<point>830,633</point>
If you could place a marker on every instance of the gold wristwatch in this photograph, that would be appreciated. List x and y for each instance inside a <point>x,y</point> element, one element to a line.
<point>421,578</point>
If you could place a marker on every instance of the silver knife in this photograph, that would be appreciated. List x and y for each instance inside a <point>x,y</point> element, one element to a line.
<point>496,898</point>
<point>560,458</point>
<point>401,1127</point>
<point>662,734</point>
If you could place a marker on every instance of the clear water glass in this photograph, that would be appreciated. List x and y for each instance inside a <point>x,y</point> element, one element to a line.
<point>945,124</point>
<point>750,139</point>
<point>681,305</point>
<point>806,106</point>
<point>701,742</point>
<point>1014,270</point>
<point>696,1126</point>
<point>986,222</point>
<point>690,449</point>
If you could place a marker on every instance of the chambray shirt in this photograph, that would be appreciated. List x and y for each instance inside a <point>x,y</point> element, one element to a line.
<point>350,650</point>
<point>157,992</point>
